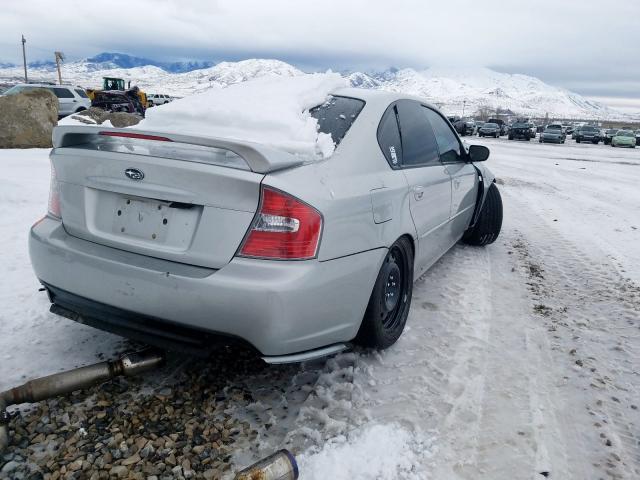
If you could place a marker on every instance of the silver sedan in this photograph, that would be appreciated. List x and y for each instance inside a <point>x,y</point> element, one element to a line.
<point>189,242</point>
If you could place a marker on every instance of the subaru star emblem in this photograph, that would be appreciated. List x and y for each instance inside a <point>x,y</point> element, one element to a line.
<point>134,173</point>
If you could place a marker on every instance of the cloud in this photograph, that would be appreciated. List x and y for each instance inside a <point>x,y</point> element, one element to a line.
<point>588,43</point>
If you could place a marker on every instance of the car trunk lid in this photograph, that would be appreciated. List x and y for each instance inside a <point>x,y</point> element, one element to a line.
<point>184,199</point>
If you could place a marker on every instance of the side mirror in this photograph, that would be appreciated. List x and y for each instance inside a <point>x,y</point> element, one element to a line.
<point>478,153</point>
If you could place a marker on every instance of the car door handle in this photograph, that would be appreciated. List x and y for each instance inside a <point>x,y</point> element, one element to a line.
<point>418,193</point>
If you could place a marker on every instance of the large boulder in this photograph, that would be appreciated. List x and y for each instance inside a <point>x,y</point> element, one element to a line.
<point>27,119</point>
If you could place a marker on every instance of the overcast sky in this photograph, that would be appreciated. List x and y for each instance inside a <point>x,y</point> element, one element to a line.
<point>592,47</point>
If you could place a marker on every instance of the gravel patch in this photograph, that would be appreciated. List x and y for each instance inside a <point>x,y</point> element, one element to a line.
<point>178,422</point>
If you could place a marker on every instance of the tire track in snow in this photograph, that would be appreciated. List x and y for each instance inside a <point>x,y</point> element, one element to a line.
<point>592,314</point>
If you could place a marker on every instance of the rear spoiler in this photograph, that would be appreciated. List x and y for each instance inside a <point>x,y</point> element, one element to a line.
<point>260,158</point>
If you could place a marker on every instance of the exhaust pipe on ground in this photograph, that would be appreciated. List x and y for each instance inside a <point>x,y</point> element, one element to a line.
<point>281,465</point>
<point>72,380</point>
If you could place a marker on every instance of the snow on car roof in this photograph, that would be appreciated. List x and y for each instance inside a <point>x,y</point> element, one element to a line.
<point>273,111</point>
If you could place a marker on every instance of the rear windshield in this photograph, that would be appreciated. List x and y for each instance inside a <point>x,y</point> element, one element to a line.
<point>588,129</point>
<point>490,125</point>
<point>554,127</point>
<point>336,116</point>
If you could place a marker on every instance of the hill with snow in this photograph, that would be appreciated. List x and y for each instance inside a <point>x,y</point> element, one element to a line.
<point>455,90</point>
<point>458,90</point>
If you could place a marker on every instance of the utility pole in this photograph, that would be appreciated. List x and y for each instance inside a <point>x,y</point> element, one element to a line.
<point>59,58</point>
<point>24,60</point>
<point>464,104</point>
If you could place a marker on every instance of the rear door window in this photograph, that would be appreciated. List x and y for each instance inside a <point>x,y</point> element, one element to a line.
<point>62,92</point>
<point>389,137</point>
<point>447,141</point>
<point>419,147</point>
<point>336,116</point>
<point>81,93</point>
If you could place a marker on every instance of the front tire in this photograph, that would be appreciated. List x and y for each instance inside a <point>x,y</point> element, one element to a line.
<point>388,307</point>
<point>489,224</point>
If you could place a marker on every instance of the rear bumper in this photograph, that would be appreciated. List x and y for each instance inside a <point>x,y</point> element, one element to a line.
<point>279,308</point>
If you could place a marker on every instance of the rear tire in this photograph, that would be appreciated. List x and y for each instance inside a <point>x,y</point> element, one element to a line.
<point>388,307</point>
<point>489,224</point>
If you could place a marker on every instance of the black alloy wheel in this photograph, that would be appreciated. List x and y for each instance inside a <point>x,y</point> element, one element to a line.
<point>390,300</point>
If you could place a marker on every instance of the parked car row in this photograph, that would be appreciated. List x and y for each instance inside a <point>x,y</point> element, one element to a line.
<point>557,133</point>
<point>524,129</point>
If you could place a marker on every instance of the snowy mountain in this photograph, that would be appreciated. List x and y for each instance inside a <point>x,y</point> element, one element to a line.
<point>455,90</point>
<point>155,79</point>
<point>109,61</point>
<point>462,89</point>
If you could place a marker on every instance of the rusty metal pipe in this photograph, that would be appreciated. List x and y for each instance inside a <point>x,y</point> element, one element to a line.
<point>77,379</point>
<point>281,465</point>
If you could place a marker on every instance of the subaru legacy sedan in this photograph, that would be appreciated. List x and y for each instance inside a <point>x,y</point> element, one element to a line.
<point>186,241</point>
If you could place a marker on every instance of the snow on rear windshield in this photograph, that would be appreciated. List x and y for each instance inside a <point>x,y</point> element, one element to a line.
<point>272,111</point>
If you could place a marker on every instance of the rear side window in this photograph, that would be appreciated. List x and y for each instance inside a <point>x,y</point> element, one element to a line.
<point>336,116</point>
<point>81,93</point>
<point>447,141</point>
<point>419,146</point>
<point>62,93</point>
<point>389,137</point>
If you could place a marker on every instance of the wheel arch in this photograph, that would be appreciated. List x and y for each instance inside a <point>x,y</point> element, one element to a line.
<point>486,178</point>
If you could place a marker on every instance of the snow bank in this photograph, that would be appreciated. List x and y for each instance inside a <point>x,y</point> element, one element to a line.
<point>269,110</point>
<point>381,452</point>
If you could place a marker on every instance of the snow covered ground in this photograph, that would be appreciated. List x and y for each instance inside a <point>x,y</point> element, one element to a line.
<point>520,360</point>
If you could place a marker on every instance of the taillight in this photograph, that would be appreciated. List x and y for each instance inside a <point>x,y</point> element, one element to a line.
<point>284,228</point>
<point>54,195</point>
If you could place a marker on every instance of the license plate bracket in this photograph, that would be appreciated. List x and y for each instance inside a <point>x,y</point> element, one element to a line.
<point>145,219</point>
